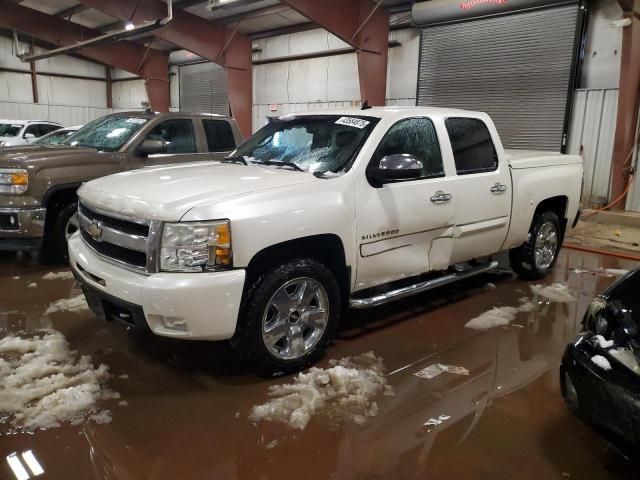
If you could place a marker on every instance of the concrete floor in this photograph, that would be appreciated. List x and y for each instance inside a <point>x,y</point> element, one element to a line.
<point>507,421</point>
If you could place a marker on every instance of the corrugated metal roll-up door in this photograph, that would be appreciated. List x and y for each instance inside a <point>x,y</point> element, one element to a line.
<point>515,67</point>
<point>203,88</point>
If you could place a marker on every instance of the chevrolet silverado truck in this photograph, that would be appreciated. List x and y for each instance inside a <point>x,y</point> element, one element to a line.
<point>317,212</point>
<point>38,183</point>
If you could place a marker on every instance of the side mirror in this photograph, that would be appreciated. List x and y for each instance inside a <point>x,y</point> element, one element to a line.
<point>400,166</point>
<point>152,147</point>
<point>29,136</point>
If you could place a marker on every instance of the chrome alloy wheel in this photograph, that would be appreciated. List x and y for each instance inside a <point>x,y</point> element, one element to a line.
<point>295,318</point>
<point>546,245</point>
<point>72,226</point>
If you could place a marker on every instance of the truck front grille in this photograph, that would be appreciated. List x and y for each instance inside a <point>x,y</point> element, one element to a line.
<point>119,240</point>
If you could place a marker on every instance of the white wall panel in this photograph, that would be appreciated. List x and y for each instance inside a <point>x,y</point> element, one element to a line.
<point>71,91</point>
<point>402,66</point>
<point>15,87</point>
<point>129,94</point>
<point>65,114</point>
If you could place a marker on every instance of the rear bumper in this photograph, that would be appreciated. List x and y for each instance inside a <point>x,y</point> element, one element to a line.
<point>21,228</point>
<point>190,306</point>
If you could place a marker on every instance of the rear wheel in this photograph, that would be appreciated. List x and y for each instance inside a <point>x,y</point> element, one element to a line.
<point>289,316</point>
<point>536,257</point>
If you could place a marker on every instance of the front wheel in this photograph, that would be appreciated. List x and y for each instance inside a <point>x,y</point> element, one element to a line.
<point>64,225</point>
<point>290,314</point>
<point>536,257</point>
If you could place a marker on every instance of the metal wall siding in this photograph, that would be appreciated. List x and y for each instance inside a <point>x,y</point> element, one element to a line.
<point>516,68</point>
<point>66,115</point>
<point>203,88</point>
<point>593,123</point>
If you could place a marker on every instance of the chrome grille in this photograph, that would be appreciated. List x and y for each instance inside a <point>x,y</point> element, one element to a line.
<point>128,243</point>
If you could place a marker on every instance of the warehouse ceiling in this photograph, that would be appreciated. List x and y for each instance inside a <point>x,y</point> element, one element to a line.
<point>256,18</point>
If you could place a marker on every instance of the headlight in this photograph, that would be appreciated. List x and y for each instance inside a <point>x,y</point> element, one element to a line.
<point>195,247</point>
<point>13,180</point>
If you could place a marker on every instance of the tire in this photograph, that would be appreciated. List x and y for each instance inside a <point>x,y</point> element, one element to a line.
<point>62,227</point>
<point>532,264</point>
<point>282,327</point>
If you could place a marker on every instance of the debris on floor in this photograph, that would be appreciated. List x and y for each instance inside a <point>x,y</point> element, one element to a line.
<point>496,317</point>
<point>74,304</point>
<point>58,276</point>
<point>272,444</point>
<point>601,361</point>
<point>603,342</point>
<point>32,285</point>
<point>436,421</point>
<point>556,292</point>
<point>437,368</point>
<point>44,383</point>
<point>345,391</point>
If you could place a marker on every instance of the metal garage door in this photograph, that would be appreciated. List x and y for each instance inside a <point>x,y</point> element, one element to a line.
<point>515,67</point>
<point>203,88</point>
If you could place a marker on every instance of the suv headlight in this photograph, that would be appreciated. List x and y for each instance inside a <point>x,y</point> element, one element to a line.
<point>195,246</point>
<point>13,180</point>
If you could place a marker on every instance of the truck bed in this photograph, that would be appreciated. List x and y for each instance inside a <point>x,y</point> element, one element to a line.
<point>538,158</point>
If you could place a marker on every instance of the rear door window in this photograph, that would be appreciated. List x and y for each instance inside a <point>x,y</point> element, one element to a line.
<point>219,135</point>
<point>178,135</point>
<point>473,149</point>
<point>34,129</point>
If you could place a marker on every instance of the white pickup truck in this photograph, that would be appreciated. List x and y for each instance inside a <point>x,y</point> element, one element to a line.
<point>317,212</point>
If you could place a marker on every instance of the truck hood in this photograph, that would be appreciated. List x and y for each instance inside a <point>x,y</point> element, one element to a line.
<point>168,193</point>
<point>22,156</point>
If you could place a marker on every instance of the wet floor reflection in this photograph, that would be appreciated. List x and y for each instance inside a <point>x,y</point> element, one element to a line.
<point>187,403</point>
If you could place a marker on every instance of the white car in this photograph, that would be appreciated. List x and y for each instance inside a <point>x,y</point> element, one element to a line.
<point>57,136</point>
<point>316,212</point>
<point>22,132</point>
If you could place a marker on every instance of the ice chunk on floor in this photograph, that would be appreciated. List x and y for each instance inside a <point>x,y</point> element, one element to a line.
<point>496,317</point>
<point>556,292</point>
<point>616,271</point>
<point>345,391</point>
<point>432,422</point>
<point>45,383</point>
<point>32,285</point>
<point>601,361</point>
<point>604,343</point>
<point>58,276</point>
<point>74,304</point>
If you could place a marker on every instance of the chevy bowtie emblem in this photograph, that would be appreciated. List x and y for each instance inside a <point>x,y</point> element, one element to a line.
<point>95,231</point>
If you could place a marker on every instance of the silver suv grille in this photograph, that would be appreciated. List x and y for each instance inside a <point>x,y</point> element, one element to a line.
<point>126,242</point>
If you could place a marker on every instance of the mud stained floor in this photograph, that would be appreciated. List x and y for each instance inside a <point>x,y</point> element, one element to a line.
<point>183,407</point>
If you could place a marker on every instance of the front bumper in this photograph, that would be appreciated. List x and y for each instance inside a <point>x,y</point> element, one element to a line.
<point>190,306</point>
<point>608,399</point>
<point>21,228</point>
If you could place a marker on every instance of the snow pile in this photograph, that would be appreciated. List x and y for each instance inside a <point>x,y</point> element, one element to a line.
<point>496,317</point>
<point>432,422</point>
<point>32,285</point>
<point>601,361</point>
<point>603,342</point>
<point>346,391</point>
<point>44,383</point>
<point>556,292</point>
<point>74,304</point>
<point>616,271</point>
<point>58,276</point>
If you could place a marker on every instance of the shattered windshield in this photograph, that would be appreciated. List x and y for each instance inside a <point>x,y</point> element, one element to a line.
<point>9,130</point>
<point>318,144</point>
<point>107,134</point>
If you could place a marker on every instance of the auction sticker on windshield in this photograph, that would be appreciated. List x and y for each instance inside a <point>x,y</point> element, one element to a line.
<point>352,122</point>
<point>136,120</point>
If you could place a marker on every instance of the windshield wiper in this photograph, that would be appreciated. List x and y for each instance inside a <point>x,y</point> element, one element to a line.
<point>282,164</point>
<point>236,159</point>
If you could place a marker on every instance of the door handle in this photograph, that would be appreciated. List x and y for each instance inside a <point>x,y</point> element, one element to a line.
<point>499,188</point>
<point>440,197</point>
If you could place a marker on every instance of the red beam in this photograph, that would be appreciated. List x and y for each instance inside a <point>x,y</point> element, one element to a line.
<point>364,25</point>
<point>628,101</point>
<point>124,55</point>
<point>213,42</point>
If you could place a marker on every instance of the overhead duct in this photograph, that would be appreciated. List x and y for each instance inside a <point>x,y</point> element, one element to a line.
<point>121,34</point>
<point>436,12</point>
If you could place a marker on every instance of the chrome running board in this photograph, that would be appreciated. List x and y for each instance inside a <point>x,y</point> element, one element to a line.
<point>419,287</point>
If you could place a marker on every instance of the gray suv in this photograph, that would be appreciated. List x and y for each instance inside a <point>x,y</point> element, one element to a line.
<point>38,183</point>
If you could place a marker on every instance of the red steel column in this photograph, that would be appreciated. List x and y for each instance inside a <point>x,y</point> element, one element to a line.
<point>628,101</point>
<point>364,25</point>
<point>131,57</point>
<point>214,42</point>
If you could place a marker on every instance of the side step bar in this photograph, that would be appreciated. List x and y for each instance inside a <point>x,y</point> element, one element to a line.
<point>419,287</point>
